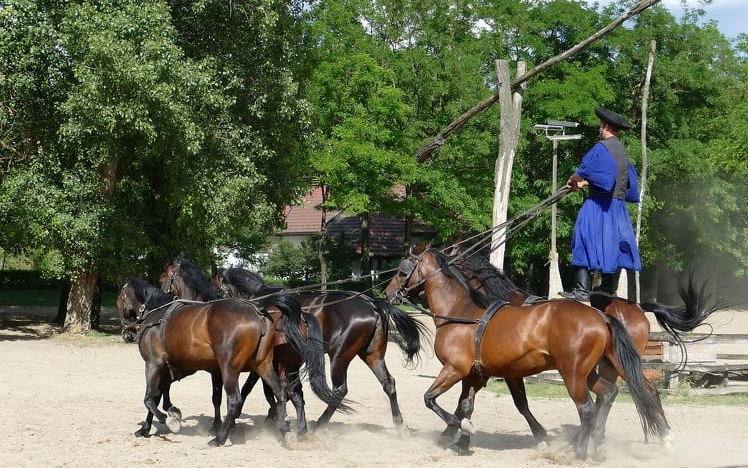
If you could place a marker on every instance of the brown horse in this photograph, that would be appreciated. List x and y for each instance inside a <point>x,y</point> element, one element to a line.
<point>352,325</point>
<point>224,337</point>
<point>496,285</point>
<point>476,339</point>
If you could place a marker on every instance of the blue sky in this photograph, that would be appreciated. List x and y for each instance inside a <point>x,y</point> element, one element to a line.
<point>731,15</point>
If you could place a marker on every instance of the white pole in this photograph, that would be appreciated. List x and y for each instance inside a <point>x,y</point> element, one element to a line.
<point>554,277</point>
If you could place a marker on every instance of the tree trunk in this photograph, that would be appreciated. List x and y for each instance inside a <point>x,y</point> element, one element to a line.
<point>323,241</point>
<point>511,111</point>
<point>96,305</point>
<point>643,176</point>
<point>78,319</point>
<point>62,305</point>
<point>365,249</point>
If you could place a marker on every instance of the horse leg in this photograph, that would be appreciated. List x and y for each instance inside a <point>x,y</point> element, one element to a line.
<point>296,393</point>
<point>519,396</point>
<point>233,404</point>
<point>278,385</point>
<point>450,432</point>
<point>576,385</point>
<point>602,384</point>
<point>447,377</point>
<point>217,389</point>
<point>253,378</point>
<point>339,377</point>
<point>155,388</point>
<point>379,368</point>
<point>470,386</point>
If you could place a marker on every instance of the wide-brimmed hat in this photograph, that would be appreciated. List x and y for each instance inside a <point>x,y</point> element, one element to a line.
<point>613,119</point>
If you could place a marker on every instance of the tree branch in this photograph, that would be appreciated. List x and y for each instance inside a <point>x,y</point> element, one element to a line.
<point>428,149</point>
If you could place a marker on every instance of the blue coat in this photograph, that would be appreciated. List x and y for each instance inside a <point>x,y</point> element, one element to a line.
<point>603,237</point>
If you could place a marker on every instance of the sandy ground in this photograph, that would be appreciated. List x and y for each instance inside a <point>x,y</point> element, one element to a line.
<point>72,404</point>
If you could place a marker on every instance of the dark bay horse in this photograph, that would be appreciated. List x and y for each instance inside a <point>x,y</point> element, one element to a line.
<point>352,325</point>
<point>477,339</point>
<point>224,337</point>
<point>496,285</point>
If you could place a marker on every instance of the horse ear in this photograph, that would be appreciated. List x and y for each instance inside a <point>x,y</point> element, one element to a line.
<point>120,282</point>
<point>422,247</point>
<point>213,269</point>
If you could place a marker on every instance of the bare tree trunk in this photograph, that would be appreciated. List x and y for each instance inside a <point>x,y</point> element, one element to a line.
<point>323,240</point>
<point>643,183</point>
<point>511,111</point>
<point>366,249</point>
<point>78,318</point>
<point>428,149</point>
<point>62,305</point>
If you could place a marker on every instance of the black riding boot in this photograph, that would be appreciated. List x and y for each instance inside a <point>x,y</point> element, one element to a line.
<point>582,283</point>
<point>609,283</point>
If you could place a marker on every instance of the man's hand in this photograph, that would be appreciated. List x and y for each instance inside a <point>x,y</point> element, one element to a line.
<point>575,183</point>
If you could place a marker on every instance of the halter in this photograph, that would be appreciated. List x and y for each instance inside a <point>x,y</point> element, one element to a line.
<point>222,289</point>
<point>403,290</point>
<point>173,275</point>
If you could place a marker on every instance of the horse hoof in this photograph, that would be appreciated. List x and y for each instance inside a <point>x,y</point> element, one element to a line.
<point>289,440</point>
<point>667,443</point>
<point>403,432</point>
<point>174,419</point>
<point>600,453</point>
<point>542,445</point>
<point>467,426</point>
<point>460,451</point>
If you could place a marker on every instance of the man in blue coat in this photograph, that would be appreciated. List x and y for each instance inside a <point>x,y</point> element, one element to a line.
<point>603,237</point>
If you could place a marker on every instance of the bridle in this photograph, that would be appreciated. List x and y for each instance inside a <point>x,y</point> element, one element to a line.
<point>170,282</point>
<point>222,289</point>
<point>413,265</point>
<point>407,267</point>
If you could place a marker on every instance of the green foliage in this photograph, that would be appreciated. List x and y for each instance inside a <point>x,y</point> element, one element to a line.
<point>145,142</point>
<point>132,132</point>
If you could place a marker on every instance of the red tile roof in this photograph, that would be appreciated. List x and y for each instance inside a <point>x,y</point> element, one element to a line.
<point>386,235</point>
<point>306,218</point>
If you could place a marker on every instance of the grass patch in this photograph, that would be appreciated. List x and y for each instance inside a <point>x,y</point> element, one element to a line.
<point>681,396</point>
<point>92,338</point>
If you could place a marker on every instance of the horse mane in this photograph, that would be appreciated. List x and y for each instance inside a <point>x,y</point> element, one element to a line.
<point>496,284</point>
<point>248,282</point>
<point>194,278</point>
<point>148,294</point>
<point>449,269</point>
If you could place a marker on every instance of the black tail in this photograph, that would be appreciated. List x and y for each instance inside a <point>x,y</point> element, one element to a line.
<point>310,348</point>
<point>409,329</point>
<point>694,311</point>
<point>645,395</point>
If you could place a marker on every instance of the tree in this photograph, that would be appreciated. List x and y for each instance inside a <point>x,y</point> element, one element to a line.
<point>145,150</point>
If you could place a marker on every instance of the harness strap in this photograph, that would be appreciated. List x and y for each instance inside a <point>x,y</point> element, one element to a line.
<point>162,333</point>
<point>487,315</point>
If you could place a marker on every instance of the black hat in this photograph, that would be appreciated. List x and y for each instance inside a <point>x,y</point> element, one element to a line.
<point>613,119</point>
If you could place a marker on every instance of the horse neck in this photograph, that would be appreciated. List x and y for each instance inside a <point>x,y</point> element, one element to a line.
<point>446,297</point>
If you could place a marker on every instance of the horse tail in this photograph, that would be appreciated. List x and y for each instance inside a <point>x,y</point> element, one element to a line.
<point>694,312</point>
<point>645,395</point>
<point>409,330</point>
<point>309,345</point>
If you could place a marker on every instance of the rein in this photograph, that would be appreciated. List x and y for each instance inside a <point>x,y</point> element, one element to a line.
<point>447,320</point>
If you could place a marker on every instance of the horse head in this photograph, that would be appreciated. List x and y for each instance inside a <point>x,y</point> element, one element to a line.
<point>185,280</point>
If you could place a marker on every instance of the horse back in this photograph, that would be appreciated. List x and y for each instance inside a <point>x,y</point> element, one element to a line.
<point>524,340</point>
<point>630,315</point>
<point>205,336</point>
<point>340,313</point>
